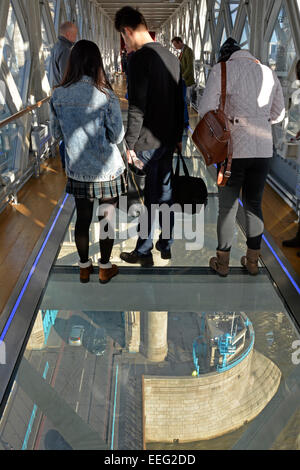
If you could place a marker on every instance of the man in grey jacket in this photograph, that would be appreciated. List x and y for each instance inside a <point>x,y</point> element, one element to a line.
<point>61,51</point>
<point>59,59</point>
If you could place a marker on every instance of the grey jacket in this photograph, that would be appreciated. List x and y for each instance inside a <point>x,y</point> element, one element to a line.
<point>59,59</point>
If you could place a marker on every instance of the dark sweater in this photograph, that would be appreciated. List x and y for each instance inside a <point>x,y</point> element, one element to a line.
<point>155,114</point>
<point>59,59</point>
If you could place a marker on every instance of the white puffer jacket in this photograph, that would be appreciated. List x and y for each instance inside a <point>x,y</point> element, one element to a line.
<point>254,101</point>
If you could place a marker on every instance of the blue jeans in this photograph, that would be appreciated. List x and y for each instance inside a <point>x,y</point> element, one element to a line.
<point>158,190</point>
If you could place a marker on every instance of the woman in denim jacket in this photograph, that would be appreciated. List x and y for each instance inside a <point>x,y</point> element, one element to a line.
<point>86,114</point>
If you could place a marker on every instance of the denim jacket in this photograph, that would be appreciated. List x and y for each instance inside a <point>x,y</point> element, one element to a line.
<point>90,123</point>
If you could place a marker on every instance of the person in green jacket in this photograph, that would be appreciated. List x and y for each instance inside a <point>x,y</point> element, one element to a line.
<point>186,59</point>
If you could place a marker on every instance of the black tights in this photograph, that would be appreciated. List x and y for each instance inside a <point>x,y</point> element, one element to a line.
<point>84,208</point>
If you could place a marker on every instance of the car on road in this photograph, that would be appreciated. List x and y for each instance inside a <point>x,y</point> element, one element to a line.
<point>76,335</point>
<point>99,342</point>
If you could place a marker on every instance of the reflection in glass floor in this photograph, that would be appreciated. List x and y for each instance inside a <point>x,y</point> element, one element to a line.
<point>152,326</point>
<point>170,357</point>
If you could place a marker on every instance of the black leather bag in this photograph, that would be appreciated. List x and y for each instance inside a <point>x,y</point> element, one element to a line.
<point>136,180</point>
<point>187,189</point>
<point>135,186</point>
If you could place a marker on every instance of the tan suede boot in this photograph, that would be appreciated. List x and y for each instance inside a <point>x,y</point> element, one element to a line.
<point>220,263</point>
<point>250,261</point>
<point>105,275</point>
<point>85,270</point>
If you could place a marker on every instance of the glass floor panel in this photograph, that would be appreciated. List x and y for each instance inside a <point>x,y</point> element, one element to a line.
<point>142,363</point>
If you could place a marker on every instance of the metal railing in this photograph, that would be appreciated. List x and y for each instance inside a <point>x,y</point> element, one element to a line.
<point>24,111</point>
<point>9,190</point>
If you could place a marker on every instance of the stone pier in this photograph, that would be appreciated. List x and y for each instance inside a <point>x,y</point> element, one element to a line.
<point>157,331</point>
<point>197,408</point>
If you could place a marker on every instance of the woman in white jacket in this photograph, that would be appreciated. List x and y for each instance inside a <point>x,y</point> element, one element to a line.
<point>254,101</point>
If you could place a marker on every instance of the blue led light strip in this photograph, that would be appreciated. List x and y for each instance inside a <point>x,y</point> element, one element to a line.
<point>33,414</point>
<point>282,265</point>
<point>114,414</point>
<point>12,314</point>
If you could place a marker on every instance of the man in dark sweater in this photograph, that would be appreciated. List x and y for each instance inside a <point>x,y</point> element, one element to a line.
<point>155,123</point>
<point>61,51</point>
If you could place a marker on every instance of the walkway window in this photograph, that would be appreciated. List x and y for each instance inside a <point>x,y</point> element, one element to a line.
<point>52,5</point>
<point>68,10</point>
<point>7,134</point>
<point>281,46</point>
<point>245,39</point>
<point>217,8</point>
<point>234,6</point>
<point>47,46</point>
<point>16,50</point>
<point>282,59</point>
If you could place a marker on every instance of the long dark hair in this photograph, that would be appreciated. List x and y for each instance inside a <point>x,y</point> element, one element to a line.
<point>85,59</point>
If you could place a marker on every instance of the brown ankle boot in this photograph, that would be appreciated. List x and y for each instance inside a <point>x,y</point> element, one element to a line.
<point>250,261</point>
<point>105,275</point>
<point>220,264</point>
<point>85,270</point>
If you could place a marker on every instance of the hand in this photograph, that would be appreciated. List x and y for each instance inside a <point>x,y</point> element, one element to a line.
<point>130,155</point>
<point>293,139</point>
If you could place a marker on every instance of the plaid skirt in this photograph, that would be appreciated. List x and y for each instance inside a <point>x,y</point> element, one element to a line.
<point>97,189</point>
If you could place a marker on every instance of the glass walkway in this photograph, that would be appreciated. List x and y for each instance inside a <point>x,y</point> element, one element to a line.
<point>169,357</point>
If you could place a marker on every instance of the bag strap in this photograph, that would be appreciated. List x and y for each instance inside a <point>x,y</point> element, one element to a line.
<point>128,169</point>
<point>223,85</point>
<point>125,147</point>
<point>185,168</point>
<point>225,169</point>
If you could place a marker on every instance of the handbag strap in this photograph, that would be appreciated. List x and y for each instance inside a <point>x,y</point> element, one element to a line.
<point>128,169</point>
<point>225,169</point>
<point>223,85</point>
<point>125,147</point>
<point>185,168</point>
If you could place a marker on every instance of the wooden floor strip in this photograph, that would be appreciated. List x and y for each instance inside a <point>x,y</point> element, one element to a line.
<point>21,225</point>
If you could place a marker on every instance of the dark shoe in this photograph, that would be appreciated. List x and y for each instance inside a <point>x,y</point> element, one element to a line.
<point>292,243</point>
<point>165,254</point>
<point>105,275</point>
<point>298,254</point>
<point>85,270</point>
<point>134,258</point>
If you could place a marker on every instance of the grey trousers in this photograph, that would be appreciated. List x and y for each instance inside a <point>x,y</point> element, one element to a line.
<point>249,176</point>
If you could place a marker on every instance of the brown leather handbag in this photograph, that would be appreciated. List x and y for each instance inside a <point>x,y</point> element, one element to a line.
<point>212,136</point>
